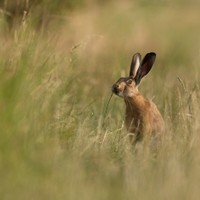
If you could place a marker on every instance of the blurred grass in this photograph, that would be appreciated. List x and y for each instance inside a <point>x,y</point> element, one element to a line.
<point>56,141</point>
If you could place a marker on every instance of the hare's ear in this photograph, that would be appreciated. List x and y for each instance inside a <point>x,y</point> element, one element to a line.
<point>145,66</point>
<point>135,64</point>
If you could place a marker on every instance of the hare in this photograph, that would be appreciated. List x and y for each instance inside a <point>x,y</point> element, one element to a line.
<point>141,116</point>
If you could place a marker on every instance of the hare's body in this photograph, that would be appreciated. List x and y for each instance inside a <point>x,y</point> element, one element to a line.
<point>142,116</point>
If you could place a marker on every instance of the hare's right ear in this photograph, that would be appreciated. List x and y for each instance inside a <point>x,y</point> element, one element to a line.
<point>135,64</point>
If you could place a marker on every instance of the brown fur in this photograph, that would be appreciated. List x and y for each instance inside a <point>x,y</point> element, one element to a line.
<point>142,117</point>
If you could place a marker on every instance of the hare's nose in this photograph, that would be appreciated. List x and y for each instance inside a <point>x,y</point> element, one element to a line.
<point>115,89</point>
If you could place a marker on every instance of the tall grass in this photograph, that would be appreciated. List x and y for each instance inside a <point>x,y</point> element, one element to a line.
<point>57,141</point>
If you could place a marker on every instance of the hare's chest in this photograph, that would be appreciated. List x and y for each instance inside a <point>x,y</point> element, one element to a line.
<point>134,122</point>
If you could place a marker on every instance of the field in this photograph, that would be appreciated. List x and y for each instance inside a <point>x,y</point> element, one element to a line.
<point>57,67</point>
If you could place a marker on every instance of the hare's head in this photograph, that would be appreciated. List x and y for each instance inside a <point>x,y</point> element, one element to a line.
<point>128,86</point>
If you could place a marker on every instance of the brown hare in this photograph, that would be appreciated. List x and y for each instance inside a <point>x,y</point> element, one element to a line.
<point>142,117</point>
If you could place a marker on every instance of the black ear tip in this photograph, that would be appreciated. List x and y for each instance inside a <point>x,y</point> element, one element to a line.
<point>137,54</point>
<point>152,54</point>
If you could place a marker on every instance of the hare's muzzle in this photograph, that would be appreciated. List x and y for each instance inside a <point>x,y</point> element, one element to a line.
<point>115,89</point>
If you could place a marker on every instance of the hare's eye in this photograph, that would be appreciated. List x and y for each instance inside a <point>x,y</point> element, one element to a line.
<point>129,82</point>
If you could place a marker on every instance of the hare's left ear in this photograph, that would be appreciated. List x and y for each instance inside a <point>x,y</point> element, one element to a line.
<point>135,64</point>
<point>145,66</point>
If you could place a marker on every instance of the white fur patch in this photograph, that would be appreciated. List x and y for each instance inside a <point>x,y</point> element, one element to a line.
<point>137,64</point>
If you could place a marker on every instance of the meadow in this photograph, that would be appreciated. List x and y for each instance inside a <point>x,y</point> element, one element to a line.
<point>57,67</point>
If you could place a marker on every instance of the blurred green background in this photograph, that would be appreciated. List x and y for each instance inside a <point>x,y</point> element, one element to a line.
<point>58,61</point>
